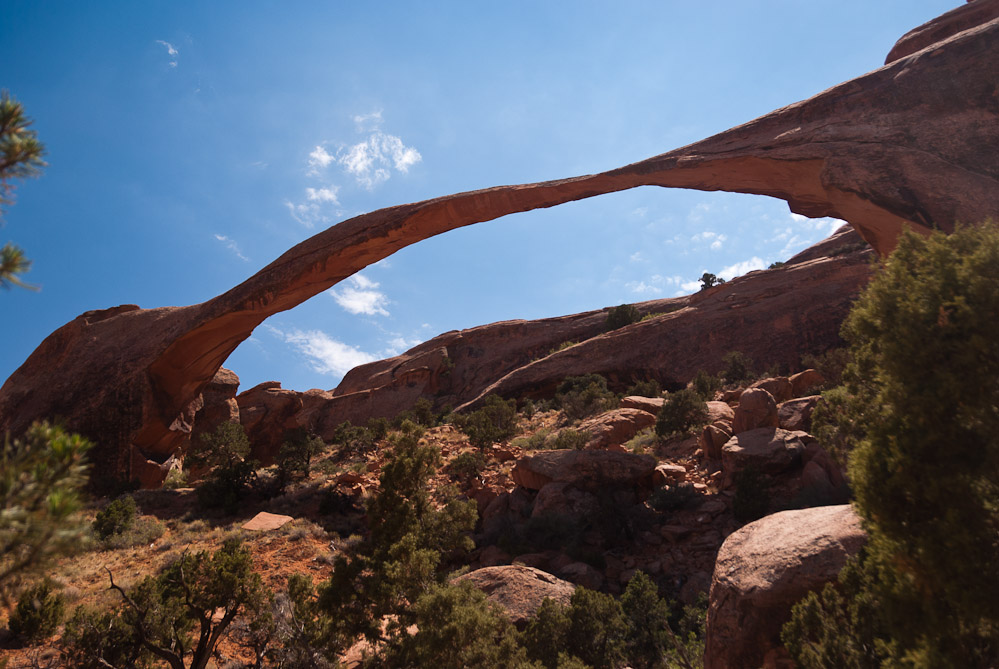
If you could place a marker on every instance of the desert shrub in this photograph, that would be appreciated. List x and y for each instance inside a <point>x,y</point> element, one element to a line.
<point>115,518</point>
<point>672,498</point>
<point>590,630</point>
<point>96,639</point>
<point>738,367</point>
<point>923,396</point>
<point>646,618</point>
<point>709,280</point>
<point>544,637</point>
<point>225,452</point>
<point>562,346</point>
<point>535,442</point>
<point>467,466</point>
<point>622,315</point>
<point>422,413</point>
<point>354,440</point>
<point>456,627</point>
<point>38,613</point>
<point>777,264</point>
<point>682,411</point>
<point>642,442</point>
<point>648,388</point>
<point>834,423</point>
<point>495,421</point>
<point>570,439</point>
<point>830,365</point>
<point>752,495</point>
<point>582,396</point>
<point>295,456</point>
<point>175,478</point>
<point>528,408</point>
<point>705,385</point>
<point>142,532</point>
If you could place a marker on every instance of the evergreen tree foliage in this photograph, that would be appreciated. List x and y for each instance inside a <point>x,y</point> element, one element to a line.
<point>925,470</point>
<point>681,412</point>
<point>20,158</point>
<point>225,453</point>
<point>41,475</point>
<point>115,518</point>
<point>622,315</point>
<point>38,613</point>
<point>495,421</point>
<point>582,396</point>
<point>647,619</point>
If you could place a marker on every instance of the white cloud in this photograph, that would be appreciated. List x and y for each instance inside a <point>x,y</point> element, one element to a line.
<point>319,159</point>
<point>716,238</point>
<point>371,161</point>
<point>366,122</point>
<point>636,257</point>
<point>171,51</point>
<point>232,246</point>
<point>327,355</point>
<point>361,297</point>
<point>399,344</point>
<point>688,286</point>
<point>740,268</point>
<point>327,194</point>
<point>655,284</point>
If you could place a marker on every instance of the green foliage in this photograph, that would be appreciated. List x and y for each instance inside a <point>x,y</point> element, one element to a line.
<point>456,627</point>
<point>582,396</point>
<point>467,466</point>
<point>705,385</point>
<point>752,495</point>
<point>225,452</point>
<point>830,365</point>
<point>709,280</point>
<point>295,456</point>
<point>197,590</point>
<point>738,367</point>
<point>834,423</point>
<point>682,411</point>
<point>672,498</point>
<point>777,264</point>
<point>537,441</point>
<point>923,395</point>
<point>40,478</point>
<point>355,440</point>
<point>422,413</point>
<point>562,346</point>
<point>38,613</point>
<point>647,619</point>
<point>175,478</point>
<point>648,388</point>
<point>411,538</point>
<point>597,629</point>
<point>21,159</point>
<point>495,421</point>
<point>544,637</point>
<point>115,518</point>
<point>618,317</point>
<point>570,439</point>
<point>96,639</point>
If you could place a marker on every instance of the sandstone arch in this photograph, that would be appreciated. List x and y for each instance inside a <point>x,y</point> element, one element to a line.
<point>912,143</point>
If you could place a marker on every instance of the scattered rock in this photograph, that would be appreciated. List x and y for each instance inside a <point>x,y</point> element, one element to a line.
<point>803,382</point>
<point>797,414</point>
<point>668,472</point>
<point>711,440</point>
<point>519,589</point>
<point>779,388</point>
<point>756,409</point>
<point>264,521</point>
<point>765,568</point>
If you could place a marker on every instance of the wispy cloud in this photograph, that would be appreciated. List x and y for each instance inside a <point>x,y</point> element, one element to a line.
<point>361,296</point>
<point>740,268</point>
<point>320,206</point>
<point>656,284</point>
<point>171,51</point>
<point>399,344</point>
<point>716,239</point>
<point>368,122</point>
<point>319,159</point>
<point>232,246</point>
<point>326,355</point>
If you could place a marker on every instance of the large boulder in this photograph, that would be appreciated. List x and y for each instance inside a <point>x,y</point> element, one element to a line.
<point>909,144</point>
<point>766,449</point>
<point>268,412</point>
<point>757,408</point>
<point>797,414</point>
<point>613,428</point>
<point>805,381</point>
<point>218,404</point>
<point>651,404</point>
<point>779,387</point>
<point>763,569</point>
<point>588,470</point>
<point>519,589</point>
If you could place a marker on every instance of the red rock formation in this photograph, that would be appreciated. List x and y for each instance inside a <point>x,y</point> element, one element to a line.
<point>912,143</point>
<point>519,590</point>
<point>764,569</point>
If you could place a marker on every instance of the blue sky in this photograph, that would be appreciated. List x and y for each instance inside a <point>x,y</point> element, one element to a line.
<point>191,143</point>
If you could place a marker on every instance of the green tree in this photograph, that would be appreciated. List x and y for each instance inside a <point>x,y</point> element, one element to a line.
<point>582,396</point>
<point>622,315</point>
<point>681,412</point>
<point>709,280</point>
<point>495,421</point>
<point>188,607</point>
<point>38,612</point>
<point>926,469</point>
<point>41,475</point>
<point>20,158</point>
<point>225,453</point>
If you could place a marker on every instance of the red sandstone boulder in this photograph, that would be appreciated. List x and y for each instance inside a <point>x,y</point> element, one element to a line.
<point>769,450</point>
<point>712,439</point>
<point>797,414</point>
<point>720,411</point>
<point>779,387</point>
<point>651,404</point>
<point>805,381</point>
<point>585,469</point>
<point>613,428</point>
<point>765,568</point>
<point>756,409</point>
<point>218,404</point>
<point>519,589</point>
<point>564,499</point>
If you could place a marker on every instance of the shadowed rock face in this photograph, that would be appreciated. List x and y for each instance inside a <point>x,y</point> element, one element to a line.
<point>913,143</point>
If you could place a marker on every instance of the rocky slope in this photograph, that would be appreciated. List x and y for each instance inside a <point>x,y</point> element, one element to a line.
<point>912,143</point>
